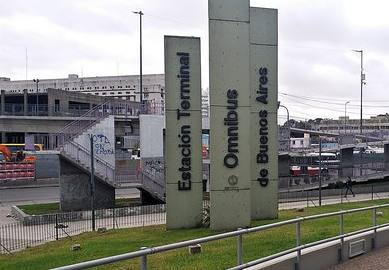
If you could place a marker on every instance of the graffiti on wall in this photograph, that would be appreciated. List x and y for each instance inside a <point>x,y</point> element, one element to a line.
<point>102,145</point>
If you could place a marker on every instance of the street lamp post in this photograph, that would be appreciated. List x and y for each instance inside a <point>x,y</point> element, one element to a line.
<point>140,13</point>
<point>362,83</point>
<point>345,115</point>
<point>287,121</point>
<point>37,95</point>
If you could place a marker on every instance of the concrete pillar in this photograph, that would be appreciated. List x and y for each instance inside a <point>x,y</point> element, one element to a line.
<point>3,137</point>
<point>25,102</point>
<point>346,162</point>
<point>147,199</point>
<point>2,112</point>
<point>50,104</point>
<point>74,189</point>
<point>386,156</point>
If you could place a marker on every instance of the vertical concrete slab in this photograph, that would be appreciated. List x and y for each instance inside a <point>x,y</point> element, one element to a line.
<point>75,189</point>
<point>151,135</point>
<point>346,162</point>
<point>183,163</point>
<point>230,113</point>
<point>263,109</point>
<point>386,156</point>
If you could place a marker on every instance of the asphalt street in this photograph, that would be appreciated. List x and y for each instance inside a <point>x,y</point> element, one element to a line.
<point>15,196</point>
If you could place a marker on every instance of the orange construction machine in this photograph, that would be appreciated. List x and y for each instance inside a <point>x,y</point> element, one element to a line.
<point>19,156</point>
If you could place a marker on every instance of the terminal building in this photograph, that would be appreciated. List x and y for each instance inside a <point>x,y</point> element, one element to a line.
<point>375,125</point>
<point>125,87</point>
<point>44,107</point>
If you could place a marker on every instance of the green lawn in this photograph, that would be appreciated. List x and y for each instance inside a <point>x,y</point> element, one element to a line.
<point>215,255</point>
<point>49,208</point>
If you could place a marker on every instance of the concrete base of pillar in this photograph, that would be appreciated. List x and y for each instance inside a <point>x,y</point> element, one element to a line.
<point>147,199</point>
<point>75,189</point>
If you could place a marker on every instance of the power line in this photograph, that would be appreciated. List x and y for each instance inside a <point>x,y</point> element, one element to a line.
<point>328,109</point>
<point>334,103</point>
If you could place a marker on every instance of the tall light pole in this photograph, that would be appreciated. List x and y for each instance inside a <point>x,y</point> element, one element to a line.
<point>362,83</point>
<point>287,121</point>
<point>140,13</point>
<point>345,115</point>
<point>37,96</point>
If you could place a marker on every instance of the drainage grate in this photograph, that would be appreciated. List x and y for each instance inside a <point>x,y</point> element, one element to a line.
<point>357,248</point>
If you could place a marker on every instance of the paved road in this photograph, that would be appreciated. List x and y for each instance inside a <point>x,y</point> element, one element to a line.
<point>378,259</point>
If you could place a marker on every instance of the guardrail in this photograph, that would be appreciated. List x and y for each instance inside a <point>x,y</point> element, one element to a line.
<point>145,251</point>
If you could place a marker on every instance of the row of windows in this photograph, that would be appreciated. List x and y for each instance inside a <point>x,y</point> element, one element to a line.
<point>29,90</point>
<point>146,95</point>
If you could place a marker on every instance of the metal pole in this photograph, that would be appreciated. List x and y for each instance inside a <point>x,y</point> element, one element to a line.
<point>373,244</point>
<point>56,227</point>
<point>287,121</point>
<point>140,13</point>
<point>298,242</point>
<point>92,183</point>
<point>361,51</point>
<point>345,115</point>
<point>320,184</point>
<point>143,260</point>
<point>140,60</point>
<point>239,248</point>
<point>341,231</point>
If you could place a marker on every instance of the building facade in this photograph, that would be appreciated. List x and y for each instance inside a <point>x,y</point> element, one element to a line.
<point>375,125</point>
<point>124,87</point>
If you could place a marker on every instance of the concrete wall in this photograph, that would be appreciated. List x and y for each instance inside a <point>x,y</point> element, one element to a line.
<point>75,189</point>
<point>47,165</point>
<point>151,135</point>
<point>103,138</point>
<point>346,162</point>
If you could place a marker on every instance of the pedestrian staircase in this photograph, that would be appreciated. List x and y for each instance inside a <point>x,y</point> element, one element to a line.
<point>79,155</point>
<point>66,142</point>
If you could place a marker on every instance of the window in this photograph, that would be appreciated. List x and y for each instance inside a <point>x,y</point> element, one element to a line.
<point>120,86</point>
<point>56,105</point>
<point>96,87</point>
<point>104,94</point>
<point>112,93</point>
<point>111,87</point>
<point>96,94</point>
<point>119,93</point>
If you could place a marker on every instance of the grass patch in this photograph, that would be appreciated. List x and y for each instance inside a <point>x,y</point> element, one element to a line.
<point>40,209</point>
<point>51,208</point>
<point>215,255</point>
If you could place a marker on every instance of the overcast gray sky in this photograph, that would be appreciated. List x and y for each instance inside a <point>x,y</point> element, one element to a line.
<point>101,37</point>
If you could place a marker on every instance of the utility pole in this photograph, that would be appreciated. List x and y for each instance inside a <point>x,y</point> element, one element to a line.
<point>320,184</point>
<point>361,125</point>
<point>140,13</point>
<point>345,115</point>
<point>362,83</point>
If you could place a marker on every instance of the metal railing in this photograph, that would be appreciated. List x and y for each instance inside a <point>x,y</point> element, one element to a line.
<point>144,251</point>
<point>37,229</point>
<point>82,156</point>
